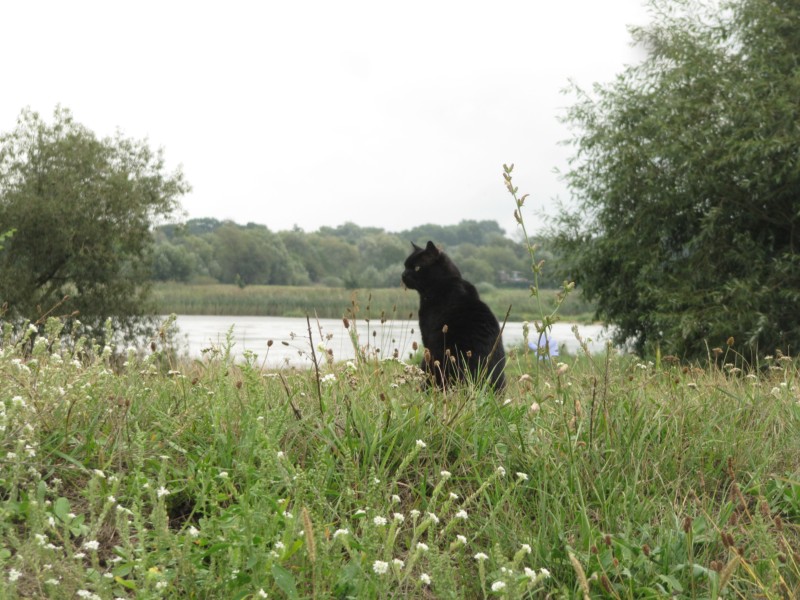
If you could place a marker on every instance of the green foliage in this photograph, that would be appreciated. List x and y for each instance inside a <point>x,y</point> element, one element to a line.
<point>613,479</point>
<point>81,208</point>
<point>349,255</point>
<point>686,172</point>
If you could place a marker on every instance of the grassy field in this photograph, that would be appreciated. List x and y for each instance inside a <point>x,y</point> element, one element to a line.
<point>602,478</point>
<point>291,301</point>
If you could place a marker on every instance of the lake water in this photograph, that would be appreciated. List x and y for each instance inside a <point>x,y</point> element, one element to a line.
<point>290,339</point>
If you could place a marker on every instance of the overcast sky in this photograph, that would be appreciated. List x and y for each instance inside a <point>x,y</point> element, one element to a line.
<point>320,112</point>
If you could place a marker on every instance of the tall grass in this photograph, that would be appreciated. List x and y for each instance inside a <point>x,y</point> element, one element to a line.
<point>295,301</point>
<point>606,478</point>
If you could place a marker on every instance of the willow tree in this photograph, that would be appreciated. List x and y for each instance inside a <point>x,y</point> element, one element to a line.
<point>81,209</point>
<point>686,173</point>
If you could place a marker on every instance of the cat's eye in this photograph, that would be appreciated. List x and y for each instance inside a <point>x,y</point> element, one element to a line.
<point>417,268</point>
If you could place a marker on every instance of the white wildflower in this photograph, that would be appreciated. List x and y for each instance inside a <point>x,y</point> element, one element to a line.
<point>340,532</point>
<point>445,474</point>
<point>526,548</point>
<point>422,547</point>
<point>421,444</point>
<point>425,579</point>
<point>380,567</point>
<point>462,539</point>
<point>13,575</point>
<point>501,471</point>
<point>480,556</point>
<point>395,499</point>
<point>91,544</point>
<point>433,518</point>
<point>398,517</point>
<point>462,514</point>
<point>498,585</point>
<point>397,563</point>
<point>522,476</point>
<point>162,491</point>
<point>193,531</point>
<point>379,521</point>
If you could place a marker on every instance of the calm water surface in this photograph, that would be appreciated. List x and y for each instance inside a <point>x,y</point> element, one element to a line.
<point>199,335</point>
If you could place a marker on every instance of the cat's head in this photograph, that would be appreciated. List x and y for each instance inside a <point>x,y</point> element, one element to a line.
<point>427,266</point>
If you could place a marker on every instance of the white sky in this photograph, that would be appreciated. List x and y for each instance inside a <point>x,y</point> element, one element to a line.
<point>320,112</point>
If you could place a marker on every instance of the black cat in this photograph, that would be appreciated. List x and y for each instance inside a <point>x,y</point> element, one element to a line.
<point>460,334</point>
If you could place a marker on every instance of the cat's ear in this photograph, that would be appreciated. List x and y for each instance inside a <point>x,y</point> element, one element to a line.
<point>432,248</point>
<point>416,248</point>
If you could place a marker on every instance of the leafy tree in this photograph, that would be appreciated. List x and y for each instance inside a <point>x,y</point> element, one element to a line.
<point>82,208</point>
<point>687,176</point>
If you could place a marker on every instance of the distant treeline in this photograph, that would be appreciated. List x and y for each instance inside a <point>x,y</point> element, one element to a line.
<point>208,250</point>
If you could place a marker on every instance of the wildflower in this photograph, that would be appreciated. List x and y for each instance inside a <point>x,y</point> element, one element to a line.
<point>433,518</point>
<point>161,585</point>
<point>380,567</point>
<point>507,401</point>
<point>522,476</point>
<point>425,579</point>
<point>397,563</point>
<point>162,491</point>
<point>223,475</point>
<point>535,408</point>
<point>375,480</point>
<point>379,521</point>
<point>526,548</point>
<point>279,545</point>
<point>561,368</point>
<point>462,514</point>
<point>414,513</point>
<point>79,555</point>
<point>99,473</point>
<point>281,455</point>
<point>530,573</point>
<point>52,582</point>
<point>445,474</point>
<point>350,365</point>
<point>480,556</point>
<point>13,575</point>
<point>340,532</point>
<point>422,547</point>
<point>193,531</point>
<point>398,517</point>
<point>91,544</point>
<point>545,572</point>
<point>498,585</point>
<point>261,593</point>
<point>328,379</point>
<point>461,539</point>
<point>453,496</point>
<point>501,471</point>
<point>111,500</point>
<point>421,444</point>
<point>776,391</point>
<point>87,594</point>
<point>41,539</point>
<point>287,515</point>
<point>360,513</point>
<point>395,499</point>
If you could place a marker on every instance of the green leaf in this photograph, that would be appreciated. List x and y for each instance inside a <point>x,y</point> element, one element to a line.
<point>285,581</point>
